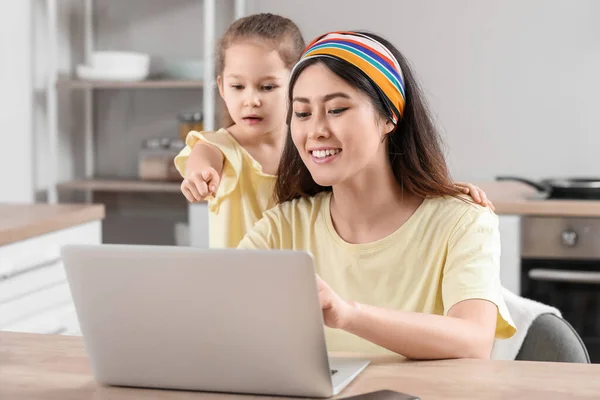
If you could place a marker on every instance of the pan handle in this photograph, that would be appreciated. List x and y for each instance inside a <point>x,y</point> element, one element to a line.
<point>538,186</point>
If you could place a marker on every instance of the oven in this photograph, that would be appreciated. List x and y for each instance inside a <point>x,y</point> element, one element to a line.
<point>560,266</point>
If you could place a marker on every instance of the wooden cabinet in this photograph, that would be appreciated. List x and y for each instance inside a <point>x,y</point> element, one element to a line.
<point>34,293</point>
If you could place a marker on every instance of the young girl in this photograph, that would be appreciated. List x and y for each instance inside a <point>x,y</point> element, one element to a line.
<point>234,167</point>
<point>405,263</point>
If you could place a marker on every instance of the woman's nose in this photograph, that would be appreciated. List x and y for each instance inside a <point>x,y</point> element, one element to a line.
<point>319,128</point>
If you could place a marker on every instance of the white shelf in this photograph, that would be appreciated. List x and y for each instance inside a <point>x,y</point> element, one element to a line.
<point>146,84</point>
<point>121,185</point>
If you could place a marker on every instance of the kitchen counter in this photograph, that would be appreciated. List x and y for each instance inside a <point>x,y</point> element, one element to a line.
<point>34,294</point>
<point>514,198</point>
<point>24,221</point>
<point>56,367</point>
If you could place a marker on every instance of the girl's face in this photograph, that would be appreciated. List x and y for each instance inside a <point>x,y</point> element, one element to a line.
<point>254,86</point>
<point>335,128</point>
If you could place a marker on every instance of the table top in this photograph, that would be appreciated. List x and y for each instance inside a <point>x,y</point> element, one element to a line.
<point>56,367</point>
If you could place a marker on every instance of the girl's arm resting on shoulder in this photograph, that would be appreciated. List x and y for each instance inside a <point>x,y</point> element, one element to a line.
<point>466,332</point>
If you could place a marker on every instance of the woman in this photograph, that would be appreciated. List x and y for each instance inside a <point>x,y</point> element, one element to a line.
<point>404,261</point>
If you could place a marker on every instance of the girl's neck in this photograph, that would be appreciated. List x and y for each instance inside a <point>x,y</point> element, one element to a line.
<point>266,148</point>
<point>253,139</point>
<point>371,206</point>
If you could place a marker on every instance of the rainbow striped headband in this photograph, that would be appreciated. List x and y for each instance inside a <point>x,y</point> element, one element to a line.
<point>368,55</point>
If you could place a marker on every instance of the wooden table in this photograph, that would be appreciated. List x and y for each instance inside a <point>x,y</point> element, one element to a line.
<point>55,367</point>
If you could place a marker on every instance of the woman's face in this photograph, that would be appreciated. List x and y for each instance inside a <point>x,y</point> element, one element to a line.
<point>335,127</point>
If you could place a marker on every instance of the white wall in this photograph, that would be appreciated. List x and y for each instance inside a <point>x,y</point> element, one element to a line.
<point>514,83</point>
<point>70,138</point>
<point>16,172</point>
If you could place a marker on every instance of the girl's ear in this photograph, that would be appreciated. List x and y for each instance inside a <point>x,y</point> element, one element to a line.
<point>220,85</point>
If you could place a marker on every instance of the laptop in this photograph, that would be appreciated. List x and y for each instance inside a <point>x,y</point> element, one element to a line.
<point>216,320</point>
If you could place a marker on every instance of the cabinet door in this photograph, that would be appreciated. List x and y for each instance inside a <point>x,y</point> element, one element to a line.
<point>60,320</point>
<point>21,256</point>
<point>33,279</point>
<point>510,259</point>
<point>34,293</point>
<point>39,303</point>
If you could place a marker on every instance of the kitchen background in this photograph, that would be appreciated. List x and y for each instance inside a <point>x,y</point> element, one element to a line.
<point>513,84</point>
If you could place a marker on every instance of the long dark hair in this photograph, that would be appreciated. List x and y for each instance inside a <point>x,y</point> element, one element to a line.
<point>414,148</point>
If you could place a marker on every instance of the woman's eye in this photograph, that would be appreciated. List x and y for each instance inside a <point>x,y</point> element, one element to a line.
<point>338,110</point>
<point>301,114</point>
<point>268,88</point>
<point>237,87</point>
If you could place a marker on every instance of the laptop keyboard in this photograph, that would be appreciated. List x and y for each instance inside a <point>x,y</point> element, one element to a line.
<point>333,372</point>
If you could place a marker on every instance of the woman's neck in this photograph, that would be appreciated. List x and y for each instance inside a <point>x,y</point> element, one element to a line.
<point>371,206</point>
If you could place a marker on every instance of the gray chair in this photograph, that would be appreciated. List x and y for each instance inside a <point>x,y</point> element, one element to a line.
<point>551,338</point>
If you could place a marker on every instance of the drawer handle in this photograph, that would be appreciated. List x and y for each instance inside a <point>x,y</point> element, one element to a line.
<point>559,275</point>
<point>57,331</point>
<point>11,274</point>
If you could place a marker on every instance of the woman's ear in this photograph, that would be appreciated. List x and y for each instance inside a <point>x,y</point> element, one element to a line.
<point>389,127</point>
<point>386,128</point>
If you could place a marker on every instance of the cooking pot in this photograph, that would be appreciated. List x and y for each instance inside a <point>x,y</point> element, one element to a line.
<point>562,188</point>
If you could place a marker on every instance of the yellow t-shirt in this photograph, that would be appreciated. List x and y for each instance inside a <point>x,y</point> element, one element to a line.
<point>447,251</point>
<point>245,191</point>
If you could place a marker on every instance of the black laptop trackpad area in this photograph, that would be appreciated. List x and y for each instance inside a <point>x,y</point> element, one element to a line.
<point>382,395</point>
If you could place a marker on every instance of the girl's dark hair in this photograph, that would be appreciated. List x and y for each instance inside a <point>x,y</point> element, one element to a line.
<point>415,150</point>
<point>283,34</point>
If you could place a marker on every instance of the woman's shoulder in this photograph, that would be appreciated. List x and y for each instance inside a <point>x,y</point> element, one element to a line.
<point>301,210</point>
<point>460,211</point>
<point>287,225</point>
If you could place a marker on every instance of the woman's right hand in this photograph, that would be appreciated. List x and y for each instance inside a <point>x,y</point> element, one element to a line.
<point>199,185</point>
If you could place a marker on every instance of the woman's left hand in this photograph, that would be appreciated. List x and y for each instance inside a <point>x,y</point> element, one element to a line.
<point>336,311</point>
<point>476,193</point>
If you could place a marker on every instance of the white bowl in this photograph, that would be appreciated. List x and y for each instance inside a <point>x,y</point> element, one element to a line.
<point>114,60</point>
<point>86,72</point>
<point>184,69</point>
